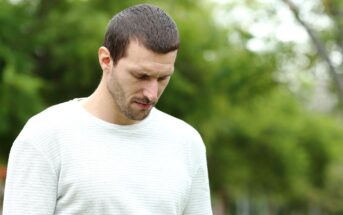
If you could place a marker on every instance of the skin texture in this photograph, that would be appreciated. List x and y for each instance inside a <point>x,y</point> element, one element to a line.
<point>129,89</point>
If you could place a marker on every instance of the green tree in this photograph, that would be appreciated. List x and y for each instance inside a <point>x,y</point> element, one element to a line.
<point>261,142</point>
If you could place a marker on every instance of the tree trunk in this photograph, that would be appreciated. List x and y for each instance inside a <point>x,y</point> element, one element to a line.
<point>322,52</point>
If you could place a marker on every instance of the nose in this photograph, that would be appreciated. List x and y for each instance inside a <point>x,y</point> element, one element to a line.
<point>151,90</point>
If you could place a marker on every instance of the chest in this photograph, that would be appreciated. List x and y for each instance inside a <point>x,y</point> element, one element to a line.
<point>125,175</point>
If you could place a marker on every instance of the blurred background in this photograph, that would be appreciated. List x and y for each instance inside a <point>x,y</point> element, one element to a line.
<point>261,80</point>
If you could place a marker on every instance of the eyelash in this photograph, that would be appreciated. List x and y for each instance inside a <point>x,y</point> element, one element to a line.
<point>142,77</point>
<point>163,78</point>
<point>145,77</point>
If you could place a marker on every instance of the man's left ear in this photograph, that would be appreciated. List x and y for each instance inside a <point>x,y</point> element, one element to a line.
<point>105,59</point>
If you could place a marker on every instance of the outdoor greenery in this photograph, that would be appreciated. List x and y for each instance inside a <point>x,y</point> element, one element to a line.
<point>265,146</point>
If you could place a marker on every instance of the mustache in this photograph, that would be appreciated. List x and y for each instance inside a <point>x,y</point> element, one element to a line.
<point>144,100</point>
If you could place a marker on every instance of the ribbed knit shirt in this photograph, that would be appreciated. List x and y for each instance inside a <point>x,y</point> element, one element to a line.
<point>66,161</point>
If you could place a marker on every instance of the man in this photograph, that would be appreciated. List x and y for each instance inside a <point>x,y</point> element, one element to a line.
<point>114,152</point>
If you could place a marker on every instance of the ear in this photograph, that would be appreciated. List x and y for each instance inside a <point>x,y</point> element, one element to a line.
<point>105,59</point>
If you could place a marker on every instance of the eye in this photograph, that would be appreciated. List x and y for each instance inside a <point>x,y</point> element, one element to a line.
<point>142,76</point>
<point>163,78</point>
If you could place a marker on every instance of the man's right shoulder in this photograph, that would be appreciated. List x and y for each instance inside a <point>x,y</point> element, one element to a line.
<point>49,120</point>
<point>53,114</point>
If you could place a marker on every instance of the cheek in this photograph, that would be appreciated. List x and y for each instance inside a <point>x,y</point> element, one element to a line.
<point>162,87</point>
<point>128,85</point>
<point>134,88</point>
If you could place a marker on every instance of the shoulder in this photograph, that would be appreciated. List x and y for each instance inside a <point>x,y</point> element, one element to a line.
<point>170,122</point>
<point>180,133</point>
<point>178,128</point>
<point>56,112</point>
<point>47,122</point>
<point>42,132</point>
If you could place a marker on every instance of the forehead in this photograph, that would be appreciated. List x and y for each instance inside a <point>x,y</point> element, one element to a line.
<point>142,59</point>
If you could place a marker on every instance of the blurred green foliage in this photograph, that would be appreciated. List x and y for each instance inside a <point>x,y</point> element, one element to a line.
<point>261,141</point>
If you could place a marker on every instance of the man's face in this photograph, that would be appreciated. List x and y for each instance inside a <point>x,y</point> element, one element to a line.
<point>137,81</point>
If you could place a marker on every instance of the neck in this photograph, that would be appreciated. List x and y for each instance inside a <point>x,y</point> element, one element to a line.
<point>101,104</point>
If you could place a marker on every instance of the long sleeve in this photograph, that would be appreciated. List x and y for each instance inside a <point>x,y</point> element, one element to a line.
<point>199,202</point>
<point>31,183</point>
<point>66,161</point>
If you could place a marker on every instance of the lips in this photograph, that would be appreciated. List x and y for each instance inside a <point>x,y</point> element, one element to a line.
<point>144,106</point>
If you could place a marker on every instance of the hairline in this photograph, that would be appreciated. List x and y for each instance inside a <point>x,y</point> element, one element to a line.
<point>141,43</point>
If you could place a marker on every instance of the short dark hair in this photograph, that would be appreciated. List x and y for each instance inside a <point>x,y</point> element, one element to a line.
<point>149,24</point>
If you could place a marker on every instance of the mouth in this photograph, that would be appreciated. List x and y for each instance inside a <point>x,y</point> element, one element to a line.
<point>143,106</point>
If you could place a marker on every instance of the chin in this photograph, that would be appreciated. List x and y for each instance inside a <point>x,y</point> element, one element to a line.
<point>137,116</point>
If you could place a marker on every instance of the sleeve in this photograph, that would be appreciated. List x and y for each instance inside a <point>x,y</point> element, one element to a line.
<point>31,183</point>
<point>199,202</point>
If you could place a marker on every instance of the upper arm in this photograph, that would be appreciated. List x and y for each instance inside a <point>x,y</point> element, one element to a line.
<point>31,183</point>
<point>199,202</point>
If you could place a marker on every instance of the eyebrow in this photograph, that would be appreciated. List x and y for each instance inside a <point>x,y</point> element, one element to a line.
<point>164,68</point>
<point>160,75</point>
<point>159,70</point>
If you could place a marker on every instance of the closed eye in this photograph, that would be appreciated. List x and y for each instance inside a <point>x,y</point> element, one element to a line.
<point>163,78</point>
<point>142,76</point>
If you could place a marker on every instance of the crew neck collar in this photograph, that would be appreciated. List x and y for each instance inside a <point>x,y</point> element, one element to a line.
<point>90,117</point>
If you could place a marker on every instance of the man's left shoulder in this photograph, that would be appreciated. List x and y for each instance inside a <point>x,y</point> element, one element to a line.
<point>177,126</point>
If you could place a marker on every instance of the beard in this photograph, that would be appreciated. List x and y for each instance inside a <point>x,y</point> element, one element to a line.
<point>126,108</point>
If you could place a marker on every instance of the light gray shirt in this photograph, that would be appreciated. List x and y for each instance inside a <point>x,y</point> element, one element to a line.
<point>66,161</point>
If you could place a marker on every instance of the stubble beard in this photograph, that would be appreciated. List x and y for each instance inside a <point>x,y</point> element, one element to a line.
<point>118,96</point>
